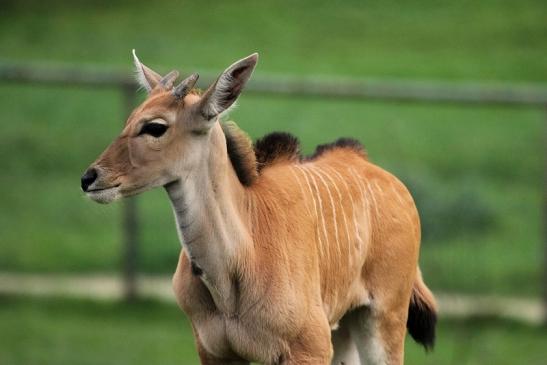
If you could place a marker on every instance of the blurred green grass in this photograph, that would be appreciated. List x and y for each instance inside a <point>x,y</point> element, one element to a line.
<point>80,332</point>
<point>442,148</point>
<point>495,154</point>
<point>419,39</point>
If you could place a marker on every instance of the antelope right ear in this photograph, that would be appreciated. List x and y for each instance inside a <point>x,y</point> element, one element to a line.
<point>220,96</point>
<point>146,77</point>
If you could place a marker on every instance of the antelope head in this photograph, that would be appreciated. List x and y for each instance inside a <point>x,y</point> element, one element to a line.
<point>166,137</point>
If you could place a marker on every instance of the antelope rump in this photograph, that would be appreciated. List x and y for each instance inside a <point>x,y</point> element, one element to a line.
<point>285,259</point>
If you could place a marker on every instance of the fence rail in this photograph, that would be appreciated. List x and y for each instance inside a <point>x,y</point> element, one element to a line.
<point>468,93</point>
<point>392,91</point>
<point>108,287</point>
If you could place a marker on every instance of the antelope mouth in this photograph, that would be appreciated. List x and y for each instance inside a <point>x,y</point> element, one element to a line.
<point>103,189</point>
<point>105,195</point>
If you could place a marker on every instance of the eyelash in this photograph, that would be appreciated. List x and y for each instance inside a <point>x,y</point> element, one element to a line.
<point>156,130</point>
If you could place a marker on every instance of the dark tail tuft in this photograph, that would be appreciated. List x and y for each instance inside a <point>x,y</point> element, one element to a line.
<point>422,314</point>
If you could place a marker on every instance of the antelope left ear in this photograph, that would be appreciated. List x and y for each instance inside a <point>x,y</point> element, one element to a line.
<point>220,96</point>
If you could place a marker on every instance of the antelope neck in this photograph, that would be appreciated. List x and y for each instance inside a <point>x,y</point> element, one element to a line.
<point>209,212</point>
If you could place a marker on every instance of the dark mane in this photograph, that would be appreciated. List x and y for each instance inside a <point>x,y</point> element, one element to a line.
<point>274,147</point>
<point>249,159</point>
<point>345,143</point>
<point>241,153</point>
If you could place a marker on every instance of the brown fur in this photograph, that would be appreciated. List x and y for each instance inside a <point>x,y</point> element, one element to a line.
<point>353,277</point>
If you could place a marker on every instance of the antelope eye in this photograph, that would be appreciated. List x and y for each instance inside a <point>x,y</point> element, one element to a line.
<point>154,129</point>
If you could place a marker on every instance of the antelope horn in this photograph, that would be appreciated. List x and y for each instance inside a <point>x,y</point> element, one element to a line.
<point>182,89</point>
<point>167,81</point>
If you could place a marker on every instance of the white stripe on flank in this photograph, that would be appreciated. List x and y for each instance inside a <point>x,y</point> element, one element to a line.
<point>313,170</point>
<point>401,201</point>
<point>315,209</point>
<point>375,182</point>
<point>364,186</point>
<point>367,187</point>
<point>355,177</point>
<point>308,174</point>
<point>348,243</point>
<point>373,200</point>
<point>341,199</point>
<point>302,191</point>
<point>352,203</point>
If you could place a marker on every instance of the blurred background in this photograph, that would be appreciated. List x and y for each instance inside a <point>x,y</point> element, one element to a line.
<point>449,96</point>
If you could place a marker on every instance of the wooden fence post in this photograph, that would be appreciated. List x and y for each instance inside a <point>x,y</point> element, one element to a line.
<point>129,220</point>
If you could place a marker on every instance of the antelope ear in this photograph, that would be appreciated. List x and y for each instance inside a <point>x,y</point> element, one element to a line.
<point>224,92</point>
<point>146,77</point>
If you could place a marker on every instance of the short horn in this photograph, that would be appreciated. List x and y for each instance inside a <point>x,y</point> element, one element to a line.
<point>167,81</point>
<point>185,86</point>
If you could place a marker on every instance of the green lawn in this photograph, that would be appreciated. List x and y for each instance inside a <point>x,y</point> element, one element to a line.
<point>476,171</point>
<point>420,39</point>
<point>80,332</point>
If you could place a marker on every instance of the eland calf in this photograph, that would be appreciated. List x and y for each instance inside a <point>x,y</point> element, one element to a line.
<point>285,259</point>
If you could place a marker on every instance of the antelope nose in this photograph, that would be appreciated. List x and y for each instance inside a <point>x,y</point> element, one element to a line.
<point>89,177</point>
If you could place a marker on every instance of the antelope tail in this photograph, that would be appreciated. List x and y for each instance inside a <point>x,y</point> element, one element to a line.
<point>422,314</point>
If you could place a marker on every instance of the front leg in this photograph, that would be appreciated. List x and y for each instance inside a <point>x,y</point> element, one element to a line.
<point>312,346</point>
<point>206,358</point>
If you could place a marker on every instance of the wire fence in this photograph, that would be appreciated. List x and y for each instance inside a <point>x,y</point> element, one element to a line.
<point>468,94</point>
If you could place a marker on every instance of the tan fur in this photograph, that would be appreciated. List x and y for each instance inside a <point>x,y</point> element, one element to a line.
<point>310,244</point>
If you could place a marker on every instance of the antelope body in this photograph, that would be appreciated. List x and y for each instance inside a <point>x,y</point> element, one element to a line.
<point>285,259</point>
